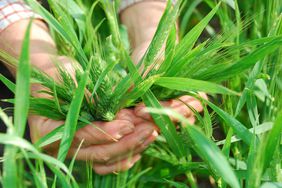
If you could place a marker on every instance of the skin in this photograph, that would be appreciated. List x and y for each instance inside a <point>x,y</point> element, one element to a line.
<point>141,26</point>
<point>133,130</point>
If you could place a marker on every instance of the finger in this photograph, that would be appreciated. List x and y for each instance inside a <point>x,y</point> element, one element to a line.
<point>125,114</point>
<point>182,110</point>
<point>185,100</point>
<point>40,126</point>
<point>197,105</point>
<point>203,95</point>
<point>192,119</point>
<point>128,114</point>
<point>106,152</point>
<point>138,150</point>
<point>103,132</point>
<point>116,167</point>
<point>191,102</point>
<point>178,102</point>
<point>139,111</point>
<point>185,110</point>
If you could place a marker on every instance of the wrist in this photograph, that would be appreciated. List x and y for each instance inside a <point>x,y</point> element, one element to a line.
<point>139,50</point>
<point>141,20</point>
<point>41,43</point>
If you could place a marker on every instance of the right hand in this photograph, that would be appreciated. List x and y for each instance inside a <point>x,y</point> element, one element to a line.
<point>111,146</point>
<point>117,150</point>
<point>106,154</point>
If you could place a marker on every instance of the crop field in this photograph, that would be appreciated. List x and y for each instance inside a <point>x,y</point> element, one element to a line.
<point>230,49</point>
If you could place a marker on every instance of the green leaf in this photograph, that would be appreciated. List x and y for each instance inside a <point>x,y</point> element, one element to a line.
<point>248,60</point>
<point>239,129</point>
<point>22,84</point>
<point>266,152</point>
<point>166,126</point>
<point>77,14</point>
<point>10,177</point>
<point>186,84</point>
<point>187,15</point>
<point>271,185</point>
<point>67,34</point>
<point>169,51</point>
<point>72,117</point>
<point>166,23</point>
<point>206,149</point>
<point>35,154</point>
<point>249,86</point>
<point>10,85</point>
<point>260,129</point>
<point>189,41</point>
<point>140,89</point>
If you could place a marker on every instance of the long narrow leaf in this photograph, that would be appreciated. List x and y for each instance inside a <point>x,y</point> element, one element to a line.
<point>10,177</point>
<point>72,118</point>
<point>206,149</point>
<point>186,84</point>
<point>10,85</point>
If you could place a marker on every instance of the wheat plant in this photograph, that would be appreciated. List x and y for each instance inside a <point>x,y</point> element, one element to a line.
<point>233,53</point>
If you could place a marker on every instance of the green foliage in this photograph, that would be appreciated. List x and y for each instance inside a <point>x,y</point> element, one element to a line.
<point>220,51</point>
<point>12,176</point>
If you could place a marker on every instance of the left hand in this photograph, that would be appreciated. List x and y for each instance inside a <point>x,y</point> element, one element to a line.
<point>142,26</point>
<point>180,105</point>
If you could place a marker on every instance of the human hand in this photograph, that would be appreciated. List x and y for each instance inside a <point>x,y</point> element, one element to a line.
<point>181,106</point>
<point>111,146</point>
<point>109,152</point>
<point>141,27</point>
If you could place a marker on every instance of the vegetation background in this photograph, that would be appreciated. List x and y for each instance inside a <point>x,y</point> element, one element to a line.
<point>228,49</point>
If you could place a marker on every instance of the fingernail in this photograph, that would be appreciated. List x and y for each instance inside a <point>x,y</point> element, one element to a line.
<point>115,172</point>
<point>125,130</point>
<point>134,160</point>
<point>155,133</point>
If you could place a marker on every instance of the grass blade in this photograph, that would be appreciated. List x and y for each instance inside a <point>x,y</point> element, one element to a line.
<point>67,35</point>
<point>166,126</point>
<point>166,23</point>
<point>189,41</point>
<point>10,85</point>
<point>206,149</point>
<point>10,177</point>
<point>186,84</point>
<point>72,117</point>
<point>266,152</point>
<point>239,129</point>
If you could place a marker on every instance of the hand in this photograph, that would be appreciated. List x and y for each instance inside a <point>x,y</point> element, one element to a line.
<point>141,20</point>
<point>115,146</point>
<point>181,106</point>
<point>111,146</point>
<point>141,27</point>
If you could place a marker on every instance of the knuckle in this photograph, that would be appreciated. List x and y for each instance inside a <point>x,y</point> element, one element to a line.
<point>101,157</point>
<point>79,136</point>
<point>130,146</point>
